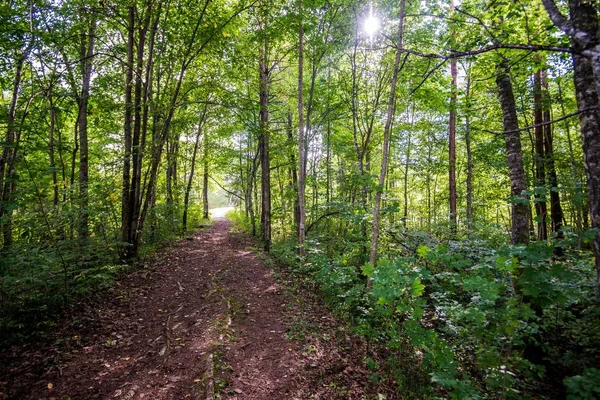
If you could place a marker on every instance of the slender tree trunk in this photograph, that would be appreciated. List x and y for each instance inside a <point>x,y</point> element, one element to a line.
<point>469,157</point>
<point>51,151</point>
<point>8,153</point>
<point>541,210</point>
<point>452,137</point>
<point>579,209</point>
<point>205,204</point>
<point>514,156</point>
<point>386,140</point>
<point>126,209</point>
<point>293,173</point>
<point>188,188</point>
<point>252,185</point>
<point>407,165</point>
<point>556,211</point>
<point>301,141</point>
<point>171,174</point>
<point>264,77</point>
<point>86,52</point>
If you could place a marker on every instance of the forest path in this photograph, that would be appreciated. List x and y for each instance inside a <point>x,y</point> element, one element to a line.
<point>206,317</point>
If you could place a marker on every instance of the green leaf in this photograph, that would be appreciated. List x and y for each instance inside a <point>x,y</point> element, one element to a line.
<point>368,270</point>
<point>417,288</point>
<point>423,250</point>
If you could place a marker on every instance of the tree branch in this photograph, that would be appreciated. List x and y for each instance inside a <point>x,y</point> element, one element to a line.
<point>228,191</point>
<point>329,214</point>
<point>543,123</point>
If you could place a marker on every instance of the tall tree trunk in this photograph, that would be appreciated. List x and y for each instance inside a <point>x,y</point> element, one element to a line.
<point>126,208</point>
<point>578,206</point>
<point>171,174</point>
<point>514,156</point>
<point>205,204</point>
<point>407,165</point>
<point>142,98</point>
<point>7,174</point>
<point>452,137</point>
<point>51,149</point>
<point>583,31</point>
<point>541,210</point>
<point>556,211</point>
<point>301,141</point>
<point>386,139</point>
<point>264,77</point>
<point>469,155</point>
<point>86,53</point>
<point>188,188</point>
<point>253,167</point>
<point>293,173</point>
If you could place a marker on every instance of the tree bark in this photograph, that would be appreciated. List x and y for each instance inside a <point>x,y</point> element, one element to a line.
<point>293,171</point>
<point>51,150</point>
<point>582,28</point>
<point>556,211</point>
<point>301,141</point>
<point>9,150</point>
<point>264,82</point>
<point>205,205</point>
<point>126,208</point>
<point>407,165</point>
<point>86,53</point>
<point>469,156</point>
<point>541,209</point>
<point>452,138</point>
<point>188,188</point>
<point>514,156</point>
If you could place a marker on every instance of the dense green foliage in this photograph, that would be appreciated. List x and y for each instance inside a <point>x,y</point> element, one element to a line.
<point>121,119</point>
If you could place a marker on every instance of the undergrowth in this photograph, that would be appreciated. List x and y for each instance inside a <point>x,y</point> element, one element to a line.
<point>40,280</point>
<point>467,318</point>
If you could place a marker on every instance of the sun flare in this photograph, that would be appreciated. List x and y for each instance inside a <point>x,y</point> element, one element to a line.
<point>371,25</point>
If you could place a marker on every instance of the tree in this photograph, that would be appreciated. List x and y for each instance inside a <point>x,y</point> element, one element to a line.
<point>582,28</point>
<point>301,139</point>
<point>386,137</point>
<point>452,136</point>
<point>514,156</point>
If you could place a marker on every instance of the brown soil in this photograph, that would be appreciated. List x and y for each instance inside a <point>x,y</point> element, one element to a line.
<point>206,319</point>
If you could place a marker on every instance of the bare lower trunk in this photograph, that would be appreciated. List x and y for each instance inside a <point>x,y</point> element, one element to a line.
<point>126,209</point>
<point>301,143</point>
<point>556,211</point>
<point>264,147</point>
<point>469,158</point>
<point>86,53</point>
<point>583,31</point>
<point>293,170</point>
<point>406,166</point>
<point>452,139</point>
<point>51,151</point>
<point>188,188</point>
<point>541,209</point>
<point>514,156</point>
<point>205,204</point>
<point>8,153</point>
